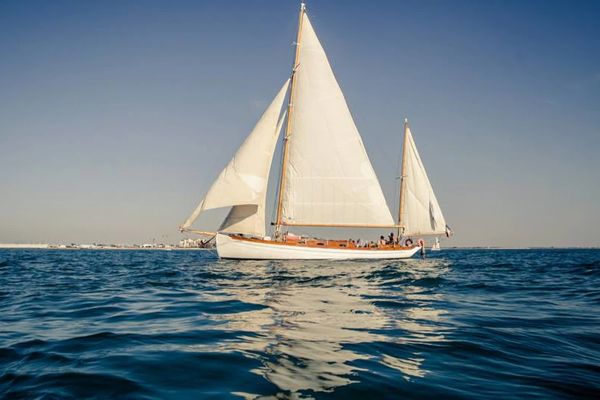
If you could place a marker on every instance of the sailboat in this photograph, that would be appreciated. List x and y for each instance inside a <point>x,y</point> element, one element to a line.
<point>436,245</point>
<point>326,178</point>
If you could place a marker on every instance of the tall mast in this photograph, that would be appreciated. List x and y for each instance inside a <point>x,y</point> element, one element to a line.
<point>288,127</point>
<point>402,181</point>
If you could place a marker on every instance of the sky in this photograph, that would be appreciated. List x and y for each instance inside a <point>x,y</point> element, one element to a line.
<point>116,116</point>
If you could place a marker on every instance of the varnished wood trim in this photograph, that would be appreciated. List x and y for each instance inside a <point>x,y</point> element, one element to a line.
<point>288,127</point>
<point>284,223</point>
<point>322,244</point>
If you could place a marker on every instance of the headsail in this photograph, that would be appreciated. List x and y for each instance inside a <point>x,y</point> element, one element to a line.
<point>329,179</point>
<point>250,218</point>
<point>421,213</point>
<point>243,182</point>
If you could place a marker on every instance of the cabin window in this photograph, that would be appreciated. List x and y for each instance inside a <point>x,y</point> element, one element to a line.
<point>320,244</point>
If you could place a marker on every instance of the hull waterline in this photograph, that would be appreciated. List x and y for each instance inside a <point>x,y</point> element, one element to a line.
<point>229,247</point>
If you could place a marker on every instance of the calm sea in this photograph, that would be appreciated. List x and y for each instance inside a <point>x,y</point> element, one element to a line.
<point>183,324</point>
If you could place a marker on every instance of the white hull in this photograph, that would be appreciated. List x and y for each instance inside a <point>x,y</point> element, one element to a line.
<point>241,249</point>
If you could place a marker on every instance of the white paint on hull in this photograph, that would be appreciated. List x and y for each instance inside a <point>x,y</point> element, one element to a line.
<point>241,249</point>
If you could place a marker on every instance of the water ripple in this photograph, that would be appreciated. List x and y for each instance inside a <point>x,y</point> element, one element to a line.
<point>156,325</point>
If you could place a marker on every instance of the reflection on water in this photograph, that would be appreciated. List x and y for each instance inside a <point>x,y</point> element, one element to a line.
<point>170,325</point>
<point>319,314</point>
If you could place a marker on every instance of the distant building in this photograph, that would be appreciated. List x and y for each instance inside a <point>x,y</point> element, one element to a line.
<point>24,246</point>
<point>190,243</point>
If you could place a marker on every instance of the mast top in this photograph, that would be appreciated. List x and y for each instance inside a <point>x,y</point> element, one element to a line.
<point>406,120</point>
<point>302,6</point>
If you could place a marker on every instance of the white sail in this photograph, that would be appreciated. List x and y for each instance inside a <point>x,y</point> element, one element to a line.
<point>243,182</point>
<point>250,218</point>
<point>421,212</point>
<point>329,179</point>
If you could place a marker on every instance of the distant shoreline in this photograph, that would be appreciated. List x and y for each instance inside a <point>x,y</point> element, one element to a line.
<point>34,246</point>
<point>43,246</point>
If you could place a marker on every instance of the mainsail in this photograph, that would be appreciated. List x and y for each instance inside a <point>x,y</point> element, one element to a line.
<point>243,182</point>
<point>328,178</point>
<point>420,212</point>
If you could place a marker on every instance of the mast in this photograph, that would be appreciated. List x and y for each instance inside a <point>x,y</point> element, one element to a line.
<point>402,181</point>
<point>288,127</point>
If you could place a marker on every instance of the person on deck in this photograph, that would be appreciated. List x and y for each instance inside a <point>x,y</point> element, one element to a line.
<point>391,238</point>
<point>381,240</point>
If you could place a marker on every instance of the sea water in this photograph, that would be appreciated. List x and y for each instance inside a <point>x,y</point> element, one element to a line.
<point>183,324</point>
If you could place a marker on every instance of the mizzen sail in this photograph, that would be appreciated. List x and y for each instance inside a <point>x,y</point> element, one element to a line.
<point>243,182</point>
<point>329,179</point>
<point>420,211</point>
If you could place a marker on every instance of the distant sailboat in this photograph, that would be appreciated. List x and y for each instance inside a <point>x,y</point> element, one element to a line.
<point>326,177</point>
<point>436,245</point>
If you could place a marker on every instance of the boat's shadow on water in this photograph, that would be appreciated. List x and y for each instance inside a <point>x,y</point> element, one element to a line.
<point>330,324</point>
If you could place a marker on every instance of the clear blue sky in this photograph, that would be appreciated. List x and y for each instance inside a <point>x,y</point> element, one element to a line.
<point>115,116</point>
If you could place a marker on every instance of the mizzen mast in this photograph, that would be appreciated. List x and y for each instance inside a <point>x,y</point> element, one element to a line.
<point>401,201</point>
<point>288,126</point>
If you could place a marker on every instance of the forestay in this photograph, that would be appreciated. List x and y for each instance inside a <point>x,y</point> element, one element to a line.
<point>243,182</point>
<point>328,178</point>
<point>421,212</point>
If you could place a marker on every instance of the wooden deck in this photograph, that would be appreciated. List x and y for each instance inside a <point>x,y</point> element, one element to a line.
<point>323,243</point>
